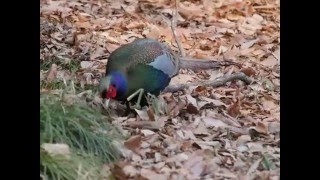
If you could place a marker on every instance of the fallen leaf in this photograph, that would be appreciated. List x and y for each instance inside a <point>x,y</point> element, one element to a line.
<point>135,25</point>
<point>84,25</point>
<point>211,122</point>
<point>191,11</point>
<point>192,100</point>
<point>178,158</point>
<point>133,143</point>
<point>234,109</point>
<point>248,71</point>
<point>274,127</point>
<point>195,165</point>
<point>154,32</point>
<point>192,109</point>
<point>157,157</point>
<point>87,64</point>
<point>56,149</point>
<point>215,102</point>
<point>270,61</point>
<point>243,139</point>
<point>142,114</point>
<point>269,105</point>
<point>98,52</point>
<point>52,74</point>
<point>201,129</point>
<point>253,168</point>
<point>248,44</point>
<point>130,170</point>
<point>148,174</point>
<point>152,125</point>
<point>147,132</point>
<point>276,54</point>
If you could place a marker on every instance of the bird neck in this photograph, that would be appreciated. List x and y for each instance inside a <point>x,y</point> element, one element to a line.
<point>120,82</point>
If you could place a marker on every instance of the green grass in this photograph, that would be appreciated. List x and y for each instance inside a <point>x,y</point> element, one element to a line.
<point>55,84</point>
<point>85,130</point>
<point>74,167</point>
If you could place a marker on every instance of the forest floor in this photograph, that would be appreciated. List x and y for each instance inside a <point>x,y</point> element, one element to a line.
<point>228,132</point>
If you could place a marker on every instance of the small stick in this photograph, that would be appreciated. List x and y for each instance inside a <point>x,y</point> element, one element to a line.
<point>173,25</point>
<point>196,64</point>
<point>215,83</point>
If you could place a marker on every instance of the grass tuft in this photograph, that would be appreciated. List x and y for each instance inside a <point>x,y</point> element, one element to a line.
<point>85,130</point>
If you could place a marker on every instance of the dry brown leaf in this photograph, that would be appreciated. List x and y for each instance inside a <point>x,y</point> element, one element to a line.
<point>135,25</point>
<point>192,109</point>
<point>53,6</point>
<point>130,170</point>
<point>270,61</point>
<point>84,25</point>
<point>142,114</point>
<point>232,54</point>
<point>133,143</point>
<point>276,54</point>
<point>111,47</point>
<point>148,174</point>
<point>190,11</point>
<point>88,64</point>
<point>243,139</point>
<point>157,157</point>
<point>274,127</point>
<point>201,129</point>
<point>178,158</point>
<point>251,24</point>
<point>248,44</point>
<point>269,105</point>
<point>212,122</point>
<point>195,164</point>
<point>234,109</point>
<point>181,79</point>
<point>152,125</point>
<point>215,102</point>
<point>147,132</point>
<point>188,134</point>
<point>117,171</point>
<point>248,71</point>
<point>261,128</point>
<point>52,74</point>
<point>253,168</point>
<point>154,32</point>
<point>99,51</point>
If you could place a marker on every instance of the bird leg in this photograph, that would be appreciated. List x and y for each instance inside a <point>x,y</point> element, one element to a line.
<point>140,92</point>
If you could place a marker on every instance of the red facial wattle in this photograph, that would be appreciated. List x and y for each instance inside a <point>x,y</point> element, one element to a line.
<point>112,92</point>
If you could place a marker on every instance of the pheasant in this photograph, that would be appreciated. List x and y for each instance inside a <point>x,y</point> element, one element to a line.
<point>145,66</point>
<point>135,69</point>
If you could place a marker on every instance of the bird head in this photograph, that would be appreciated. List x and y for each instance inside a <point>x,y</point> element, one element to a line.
<point>107,89</point>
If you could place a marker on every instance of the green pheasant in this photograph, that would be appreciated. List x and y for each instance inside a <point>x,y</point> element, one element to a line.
<point>135,69</point>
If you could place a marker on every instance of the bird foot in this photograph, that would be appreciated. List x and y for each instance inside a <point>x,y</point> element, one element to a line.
<point>136,106</point>
<point>139,92</point>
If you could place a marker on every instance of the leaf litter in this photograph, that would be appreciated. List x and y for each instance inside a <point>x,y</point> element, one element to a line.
<point>230,132</point>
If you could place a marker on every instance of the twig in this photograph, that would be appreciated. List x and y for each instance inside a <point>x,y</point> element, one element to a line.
<point>173,25</point>
<point>195,64</point>
<point>215,83</point>
<point>265,7</point>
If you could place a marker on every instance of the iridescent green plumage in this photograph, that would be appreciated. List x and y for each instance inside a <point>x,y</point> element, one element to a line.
<point>143,64</point>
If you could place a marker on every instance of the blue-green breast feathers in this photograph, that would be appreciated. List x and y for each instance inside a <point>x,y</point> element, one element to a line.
<point>145,63</point>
